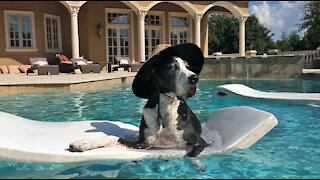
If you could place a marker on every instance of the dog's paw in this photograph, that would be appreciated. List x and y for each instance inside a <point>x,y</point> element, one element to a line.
<point>85,145</point>
<point>81,146</point>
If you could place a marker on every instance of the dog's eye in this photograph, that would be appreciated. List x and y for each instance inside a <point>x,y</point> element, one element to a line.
<point>173,67</point>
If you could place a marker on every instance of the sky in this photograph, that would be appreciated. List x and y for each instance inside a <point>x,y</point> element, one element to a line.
<point>278,16</point>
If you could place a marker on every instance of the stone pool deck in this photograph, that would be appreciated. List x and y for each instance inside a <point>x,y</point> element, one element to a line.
<point>13,83</point>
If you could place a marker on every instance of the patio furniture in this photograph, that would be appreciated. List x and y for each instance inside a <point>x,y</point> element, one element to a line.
<point>228,91</point>
<point>65,64</point>
<point>136,67</point>
<point>123,62</point>
<point>43,66</point>
<point>85,66</point>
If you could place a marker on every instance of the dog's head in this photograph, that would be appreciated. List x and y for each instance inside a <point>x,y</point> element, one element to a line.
<point>173,70</point>
<point>174,78</point>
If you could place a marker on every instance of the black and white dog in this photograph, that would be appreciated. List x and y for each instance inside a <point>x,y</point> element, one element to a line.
<point>167,121</point>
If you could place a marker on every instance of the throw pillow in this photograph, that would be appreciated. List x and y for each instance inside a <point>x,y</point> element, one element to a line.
<point>13,69</point>
<point>81,63</point>
<point>4,69</point>
<point>24,68</point>
<point>124,61</point>
<point>40,63</point>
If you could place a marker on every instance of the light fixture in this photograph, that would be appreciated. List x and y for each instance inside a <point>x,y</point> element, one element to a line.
<point>99,30</point>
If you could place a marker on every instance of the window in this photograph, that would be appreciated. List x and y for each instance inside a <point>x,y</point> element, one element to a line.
<point>179,21</point>
<point>153,31</point>
<point>20,31</point>
<point>118,18</point>
<point>180,29</point>
<point>117,31</point>
<point>52,33</point>
<point>152,20</point>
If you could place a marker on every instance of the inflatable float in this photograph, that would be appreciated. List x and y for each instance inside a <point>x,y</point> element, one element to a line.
<point>30,141</point>
<point>241,91</point>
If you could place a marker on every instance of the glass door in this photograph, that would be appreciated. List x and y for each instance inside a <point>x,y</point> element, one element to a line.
<point>117,33</point>
<point>178,37</point>
<point>112,45</point>
<point>118,43</point>
<point>152,39</point>
<point>124,42</point>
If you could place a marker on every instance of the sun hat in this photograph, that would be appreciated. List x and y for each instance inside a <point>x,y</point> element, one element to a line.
<point>142,83</point>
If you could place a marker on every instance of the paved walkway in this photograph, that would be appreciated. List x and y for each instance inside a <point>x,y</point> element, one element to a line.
<point>62,78</point>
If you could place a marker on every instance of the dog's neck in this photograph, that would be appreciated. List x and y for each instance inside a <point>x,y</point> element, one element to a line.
<point>167,98</point>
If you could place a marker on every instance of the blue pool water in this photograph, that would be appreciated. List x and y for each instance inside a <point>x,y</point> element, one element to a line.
<point>290,150</point>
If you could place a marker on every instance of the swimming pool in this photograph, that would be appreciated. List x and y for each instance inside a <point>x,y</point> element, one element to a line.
<point>290,150</point>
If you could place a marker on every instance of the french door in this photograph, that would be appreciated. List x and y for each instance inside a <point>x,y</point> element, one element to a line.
<point>152,39</point>
<point>178,36</point>
<point>118,43</point>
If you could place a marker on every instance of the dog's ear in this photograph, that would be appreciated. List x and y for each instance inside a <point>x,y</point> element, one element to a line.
<point>150,75</point>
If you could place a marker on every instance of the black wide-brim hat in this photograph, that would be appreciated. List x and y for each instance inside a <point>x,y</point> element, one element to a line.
<point>142,83</point>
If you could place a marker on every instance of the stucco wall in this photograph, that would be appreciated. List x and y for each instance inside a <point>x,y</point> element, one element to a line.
<point>39,8</point>
<point>90,15</point>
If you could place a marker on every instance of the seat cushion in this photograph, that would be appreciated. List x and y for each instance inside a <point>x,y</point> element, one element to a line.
<point>40,63</point>
<point>81,63</point>
<point>24,68</point>
<point>13,69</point>
<point>4,69</point>
<point>124,61</point>
<point>63,58</point>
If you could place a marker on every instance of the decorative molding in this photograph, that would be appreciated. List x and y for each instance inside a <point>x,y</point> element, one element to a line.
<point>74,10</point>
<point>242,19</point>
<point>20,50</point>
<point>198,17</point>
<point>141,14</point>
<point>234,9</point>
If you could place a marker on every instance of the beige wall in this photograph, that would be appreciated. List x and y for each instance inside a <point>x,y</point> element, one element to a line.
<point>90,15</point>
<point>39,8</point>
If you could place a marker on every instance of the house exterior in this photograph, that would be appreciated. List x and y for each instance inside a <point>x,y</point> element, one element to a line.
<point>102,30</point>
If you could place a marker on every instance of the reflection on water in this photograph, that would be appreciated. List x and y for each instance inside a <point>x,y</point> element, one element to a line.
<point>290,150</point>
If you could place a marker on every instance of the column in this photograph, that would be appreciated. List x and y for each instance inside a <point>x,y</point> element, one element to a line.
<point>242,34</point>
<point>197,19</point>
<point>141,38</point>
<point>74,31</point>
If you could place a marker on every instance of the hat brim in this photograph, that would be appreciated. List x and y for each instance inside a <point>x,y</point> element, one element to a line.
<point>142,83</point>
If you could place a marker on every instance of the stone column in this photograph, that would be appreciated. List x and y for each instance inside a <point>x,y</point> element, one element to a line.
<point>74,31</point>
<point>197,20</point>
<point>141,36</point>
<point>242,33</point>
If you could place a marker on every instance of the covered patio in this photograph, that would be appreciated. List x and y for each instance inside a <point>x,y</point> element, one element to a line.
<point>101,31</point>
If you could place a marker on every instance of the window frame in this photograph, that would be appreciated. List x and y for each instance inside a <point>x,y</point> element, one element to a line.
<point>119,26</point>
<point>8,48</point>
<point>160,27</point>
<point>59,49</point>
<point>181,28</point>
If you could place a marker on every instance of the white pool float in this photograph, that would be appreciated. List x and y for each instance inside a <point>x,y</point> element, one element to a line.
<point>29,141</point>
<point>241,91</point>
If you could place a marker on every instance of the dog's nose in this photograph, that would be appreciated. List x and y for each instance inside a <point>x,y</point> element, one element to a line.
<point>193,79</point>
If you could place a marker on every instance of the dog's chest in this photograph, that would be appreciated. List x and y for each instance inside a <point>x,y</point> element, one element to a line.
<point>167,134</point>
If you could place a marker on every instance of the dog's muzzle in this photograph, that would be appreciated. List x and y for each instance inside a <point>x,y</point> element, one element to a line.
<point>193,79</point>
